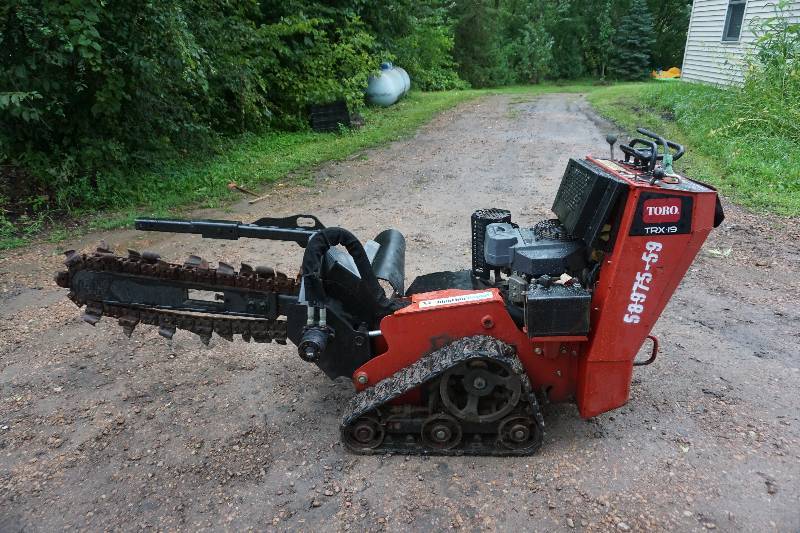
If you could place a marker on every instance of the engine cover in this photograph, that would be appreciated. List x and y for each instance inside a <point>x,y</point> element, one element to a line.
<point>522,250</point>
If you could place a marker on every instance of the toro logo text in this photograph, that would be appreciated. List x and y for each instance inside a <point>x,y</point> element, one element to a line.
<point>661,210</point>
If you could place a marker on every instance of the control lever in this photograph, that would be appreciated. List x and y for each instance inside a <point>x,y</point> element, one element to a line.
<point>611,139</point>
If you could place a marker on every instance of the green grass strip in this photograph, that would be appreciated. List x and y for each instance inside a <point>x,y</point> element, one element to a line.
<point>751,167</point>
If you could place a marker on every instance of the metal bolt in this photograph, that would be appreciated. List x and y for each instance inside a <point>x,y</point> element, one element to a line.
<point>479,383</point>
<point>537,351</point>
<point>563,349</point>
<point>440,434</point>
<point>362,378</point>
<point>359,341</point>
<point>518,433</point>
<point>364,433</point>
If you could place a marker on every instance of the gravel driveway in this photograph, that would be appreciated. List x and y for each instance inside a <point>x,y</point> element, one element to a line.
<point>98,431</point>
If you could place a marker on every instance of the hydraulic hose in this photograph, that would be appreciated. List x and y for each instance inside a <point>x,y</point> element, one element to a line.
<point>318,246</point>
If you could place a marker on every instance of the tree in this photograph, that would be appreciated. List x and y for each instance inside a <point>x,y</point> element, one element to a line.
<point>606,32</point>
<point>670,24</point>
<point>633,43</point>
<point>529,52</point>
<point>478,50</point>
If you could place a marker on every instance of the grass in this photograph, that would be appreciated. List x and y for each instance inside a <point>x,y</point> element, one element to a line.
<point>755,168</point>
<point>253,161</point>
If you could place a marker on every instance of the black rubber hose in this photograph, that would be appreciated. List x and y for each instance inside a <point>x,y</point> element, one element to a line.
<point>318,246</point>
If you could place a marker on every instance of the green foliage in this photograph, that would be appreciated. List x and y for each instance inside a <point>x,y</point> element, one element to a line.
<point>478,48</point>
<point>92,87</point>
<point>500,43</point>
<point>251,160</point>
<point>94,92</point>
<point>419,37</point>
<point>670,24</point>
<point>769,100</point>
<point>632,43</point>
<point>529,48</point>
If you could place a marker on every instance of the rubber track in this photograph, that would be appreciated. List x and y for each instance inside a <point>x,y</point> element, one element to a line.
<point>431,367</point>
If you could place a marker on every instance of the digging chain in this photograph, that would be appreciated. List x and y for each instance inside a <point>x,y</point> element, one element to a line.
<point>196,271</point>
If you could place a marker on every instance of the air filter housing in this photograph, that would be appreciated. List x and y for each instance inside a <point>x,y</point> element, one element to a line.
<point>480,219</point>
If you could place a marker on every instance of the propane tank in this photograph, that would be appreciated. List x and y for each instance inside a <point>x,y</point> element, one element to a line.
<point>388,86</point>
<point>406,79</point>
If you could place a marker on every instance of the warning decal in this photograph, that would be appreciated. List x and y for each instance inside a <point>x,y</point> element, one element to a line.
<point>450,300</point>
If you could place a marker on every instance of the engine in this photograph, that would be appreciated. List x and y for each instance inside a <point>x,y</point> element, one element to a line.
<point>545,272</point>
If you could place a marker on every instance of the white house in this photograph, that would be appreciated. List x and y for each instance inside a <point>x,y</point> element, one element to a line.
<point>720,34</point>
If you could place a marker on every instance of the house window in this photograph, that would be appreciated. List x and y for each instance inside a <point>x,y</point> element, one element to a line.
<point>733,20</point>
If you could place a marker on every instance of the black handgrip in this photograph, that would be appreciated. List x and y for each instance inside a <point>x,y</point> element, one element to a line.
<point>653,157</point>
<point>630,151</point>
<point>679,149</point>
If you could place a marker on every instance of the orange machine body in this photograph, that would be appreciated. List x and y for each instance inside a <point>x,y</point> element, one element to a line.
<point>661,228</point>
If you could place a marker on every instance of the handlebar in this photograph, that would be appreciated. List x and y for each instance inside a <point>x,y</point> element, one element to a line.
<point>665,143</point>
<point>276,229</point>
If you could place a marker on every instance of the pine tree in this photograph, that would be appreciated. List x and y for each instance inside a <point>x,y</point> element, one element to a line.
<point>633,42</point>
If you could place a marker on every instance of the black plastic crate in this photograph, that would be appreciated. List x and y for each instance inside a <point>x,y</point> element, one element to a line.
<point>329,117</point>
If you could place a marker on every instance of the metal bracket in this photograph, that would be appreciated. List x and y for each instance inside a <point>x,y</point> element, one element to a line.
<point>653,353</point>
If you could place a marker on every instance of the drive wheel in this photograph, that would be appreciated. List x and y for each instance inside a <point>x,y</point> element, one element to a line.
<point>366,433</point>
<point>480,390</point>
<point>442,432</point>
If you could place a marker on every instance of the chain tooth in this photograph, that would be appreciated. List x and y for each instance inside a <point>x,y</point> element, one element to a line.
<point>62,280</point>
<point>151,257</point>
<point>195,261</point>
<point>224,329</point>
<point>90,318</point>
<point>92,314</point>
<point>265,272</point>
<point>128,323</point>
<point>133,255</point>
<point>225,269</point>
<point>246,270</point>
<point>103,248</point>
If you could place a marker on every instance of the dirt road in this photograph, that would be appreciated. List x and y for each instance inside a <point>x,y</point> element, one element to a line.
<point>98,431</point>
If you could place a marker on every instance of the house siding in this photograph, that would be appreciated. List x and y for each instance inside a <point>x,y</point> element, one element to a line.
<point>707,57</point>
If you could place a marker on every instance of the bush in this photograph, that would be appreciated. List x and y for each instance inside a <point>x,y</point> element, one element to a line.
<point>92,87</point>
<point>769,100</point>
